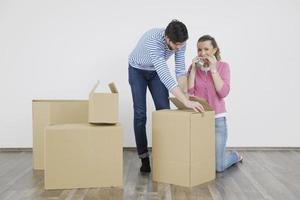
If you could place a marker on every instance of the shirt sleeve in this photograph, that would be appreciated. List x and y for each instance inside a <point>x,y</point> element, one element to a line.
<point>180,62</point>
<point>157,58</point>
<point>225,75</point>
<point>191,91</point>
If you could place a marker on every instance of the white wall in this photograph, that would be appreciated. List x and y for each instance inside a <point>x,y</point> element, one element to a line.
<point>58,49</point>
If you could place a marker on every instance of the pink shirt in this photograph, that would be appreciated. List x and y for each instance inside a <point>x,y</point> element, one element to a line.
<point>204,87</point>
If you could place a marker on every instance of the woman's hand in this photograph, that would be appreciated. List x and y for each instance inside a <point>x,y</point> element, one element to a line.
<point>198,61</point>
<point>195,60</point>
<point>212,60</point>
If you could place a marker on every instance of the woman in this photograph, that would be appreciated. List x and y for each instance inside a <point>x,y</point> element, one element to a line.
<point>209,78</point>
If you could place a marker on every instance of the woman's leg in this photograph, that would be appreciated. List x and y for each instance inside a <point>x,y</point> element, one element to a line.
<point>223,159</point>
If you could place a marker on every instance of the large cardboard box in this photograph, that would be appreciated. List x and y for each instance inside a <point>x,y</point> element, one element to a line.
<point>45,112</point>
<point>103,107</point>
<point>183,146</point>
<point>83,156</point>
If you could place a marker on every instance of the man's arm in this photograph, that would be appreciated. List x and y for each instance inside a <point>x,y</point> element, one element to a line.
<point>180,69</point>
<point>160,65</point>
<point>182,81</point>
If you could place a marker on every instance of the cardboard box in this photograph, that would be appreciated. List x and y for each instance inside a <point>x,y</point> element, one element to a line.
<point>183,145</point>
<point>83,156</point>
<point>103,107</point>
<point>45,112</point>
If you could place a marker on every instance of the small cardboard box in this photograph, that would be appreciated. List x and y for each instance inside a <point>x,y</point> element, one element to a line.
<point>45,112</point>
<point>83,156</point>
<point>183,145</point>
<point>103,107</point>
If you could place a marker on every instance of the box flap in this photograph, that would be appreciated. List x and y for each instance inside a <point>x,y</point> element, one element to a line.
<point>202,101</point>
<point>113,88</point>
<point>181,106</point>
<point>94,88</point>
<point>177,103</point>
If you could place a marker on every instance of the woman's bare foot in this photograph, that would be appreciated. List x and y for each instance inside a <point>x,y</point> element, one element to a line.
<point>240,157</point>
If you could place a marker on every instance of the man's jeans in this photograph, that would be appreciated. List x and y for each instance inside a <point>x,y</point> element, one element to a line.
<point>139,80</point>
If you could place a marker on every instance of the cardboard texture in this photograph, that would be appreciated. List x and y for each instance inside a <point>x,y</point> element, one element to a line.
<point>183,145</point>
<point>45,112</point>
<point>83,156</point>
<point>103,107</point>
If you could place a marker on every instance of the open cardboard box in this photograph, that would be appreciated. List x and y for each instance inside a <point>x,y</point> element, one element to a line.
<point>183,145</point>
<point>103,107</point>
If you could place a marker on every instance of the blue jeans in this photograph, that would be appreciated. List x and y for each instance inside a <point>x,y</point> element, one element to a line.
<point>223,159</point>
<point>139,80</point>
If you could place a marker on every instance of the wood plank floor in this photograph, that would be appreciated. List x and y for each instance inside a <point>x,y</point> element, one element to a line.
<point>270,174</point>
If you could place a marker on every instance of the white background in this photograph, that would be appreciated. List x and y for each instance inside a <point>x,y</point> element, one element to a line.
<point>58,49</point>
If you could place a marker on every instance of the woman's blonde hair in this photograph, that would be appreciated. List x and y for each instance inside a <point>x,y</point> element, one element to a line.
<point>214,44</point>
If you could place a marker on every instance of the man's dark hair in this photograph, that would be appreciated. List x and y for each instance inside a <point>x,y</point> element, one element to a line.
<point>176,31</point>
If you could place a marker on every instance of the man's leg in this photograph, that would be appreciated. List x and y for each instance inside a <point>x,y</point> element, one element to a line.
<point>159,92</point>
<point>138,85</point>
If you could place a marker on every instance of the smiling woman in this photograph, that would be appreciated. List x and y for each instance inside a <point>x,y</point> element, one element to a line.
<point>210,80</point>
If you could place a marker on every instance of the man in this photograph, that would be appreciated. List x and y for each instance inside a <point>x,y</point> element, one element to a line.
<point>148,68</point>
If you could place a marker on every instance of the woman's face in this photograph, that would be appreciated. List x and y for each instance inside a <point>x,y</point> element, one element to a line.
<point>205,48</point>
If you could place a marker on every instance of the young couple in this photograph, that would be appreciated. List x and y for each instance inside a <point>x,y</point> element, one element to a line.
<point>208,77</point>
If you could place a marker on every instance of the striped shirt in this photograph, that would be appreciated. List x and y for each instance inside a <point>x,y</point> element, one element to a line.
<point>152,53</point>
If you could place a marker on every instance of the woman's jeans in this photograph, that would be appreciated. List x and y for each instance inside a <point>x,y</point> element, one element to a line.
<point>223,159</point>
<point>139,80</point>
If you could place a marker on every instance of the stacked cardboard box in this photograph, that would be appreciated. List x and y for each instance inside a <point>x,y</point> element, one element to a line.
<point>183,145</point>
<point>87,152</point>
<point>47,112</point>
<point>83,156</point>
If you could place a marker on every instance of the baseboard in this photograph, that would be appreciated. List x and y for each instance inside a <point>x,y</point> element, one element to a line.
<point>263,148</point>
<point>15,149</point>
<point>134,149</point>
<point>244,148</point>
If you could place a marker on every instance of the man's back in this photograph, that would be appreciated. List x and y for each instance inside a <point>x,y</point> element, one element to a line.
<point>140,56</point>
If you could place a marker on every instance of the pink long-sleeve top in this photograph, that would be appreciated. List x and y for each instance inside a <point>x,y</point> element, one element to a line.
<point>204,86</point>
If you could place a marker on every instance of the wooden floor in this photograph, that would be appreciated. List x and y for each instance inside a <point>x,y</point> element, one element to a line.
<point>263,175</point>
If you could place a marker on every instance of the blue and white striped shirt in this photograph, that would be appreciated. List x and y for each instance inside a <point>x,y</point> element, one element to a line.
<point>152,53</point>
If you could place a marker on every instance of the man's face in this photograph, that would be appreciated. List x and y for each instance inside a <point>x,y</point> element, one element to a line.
<point>174,46</point>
